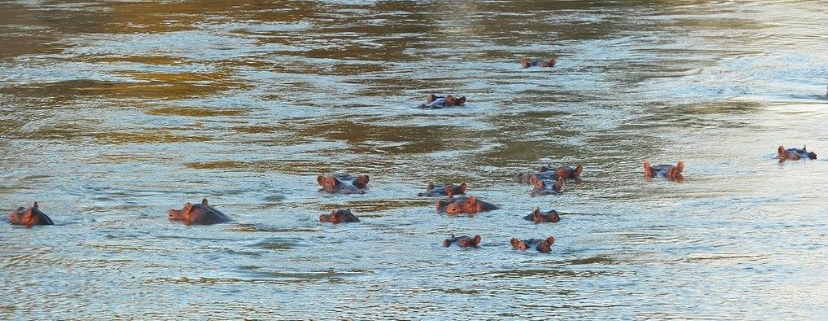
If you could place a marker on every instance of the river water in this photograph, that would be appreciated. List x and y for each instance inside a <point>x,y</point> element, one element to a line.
<point>115,111</point>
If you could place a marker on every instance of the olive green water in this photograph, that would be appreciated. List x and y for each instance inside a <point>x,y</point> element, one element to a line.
<point>114,112</point>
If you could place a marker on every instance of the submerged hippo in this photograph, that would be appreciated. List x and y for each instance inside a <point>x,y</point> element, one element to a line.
<point>339,216</point>
<point>464,205</point>
<point>795,154</point>
<point>551,174</point>
<point>539,216</point>
<point>198,214</point>
<point>546,187</point>
<point>444,189</point>
<point>463,241</point>
<point>29,216</point>
<point>542,245</point>
<point>668,171</point>
<point>526,62</point>
<point>434,102</point>
<point>343,184</point>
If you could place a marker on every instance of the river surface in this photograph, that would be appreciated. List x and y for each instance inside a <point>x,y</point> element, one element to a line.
<point>114,112</point>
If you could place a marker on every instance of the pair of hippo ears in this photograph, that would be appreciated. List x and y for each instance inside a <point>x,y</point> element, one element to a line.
<point>189,206</point>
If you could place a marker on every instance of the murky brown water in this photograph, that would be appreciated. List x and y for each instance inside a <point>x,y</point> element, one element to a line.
<point>114,112</point>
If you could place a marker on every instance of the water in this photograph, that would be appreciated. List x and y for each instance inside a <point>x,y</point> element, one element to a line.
<point>114,112</point>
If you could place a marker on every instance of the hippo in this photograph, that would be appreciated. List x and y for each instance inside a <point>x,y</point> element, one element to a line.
<point>542,245</point>
<point>464,205</point>
<point>434,102</point>
<point>444,190</point>
<point>671,172</point>
<point>339,216</point>
<point>463,241</point>
<point>551,174</point>
<point>544,187</point>
<point>343,183</point>
<point>526,62</point>
<point>442,204</point>
<point>795,154</point>
<point>546,216</point>
<point>198,214</point>
<point>29,216</point>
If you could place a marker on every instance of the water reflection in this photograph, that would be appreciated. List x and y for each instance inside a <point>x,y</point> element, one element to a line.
<point>113,112</point>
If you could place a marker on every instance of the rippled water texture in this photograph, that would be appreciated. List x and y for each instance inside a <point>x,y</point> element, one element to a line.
<point>114,112</point>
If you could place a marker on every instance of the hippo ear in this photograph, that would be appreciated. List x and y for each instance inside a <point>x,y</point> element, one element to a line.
<point>536,214</point>
<point>34,205</point>
<point>471,200</point>
<point>550,240</point>
<point>535,181</point>
<point>204,201</point>
<point>514,242</point>
<point>680,166</point>
<point>430,185</point>
<point>187,207</point>
<point>361,181</point>
<point>324,181</point>
<point>559,184</point>
<point>579,170</point>
<point>476,240</point>
<point>462,187</point>
<point>648,171</point>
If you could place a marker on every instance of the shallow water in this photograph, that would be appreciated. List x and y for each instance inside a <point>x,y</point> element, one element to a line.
<point>114,112</point>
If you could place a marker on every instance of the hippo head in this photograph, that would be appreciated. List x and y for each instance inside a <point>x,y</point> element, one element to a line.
<point>339,216</point>
<point>451,189</point>
<point>185,214</point>
<point>545,246</point>
<point>675,172</point>
<point>812,155</point>
<point>524,62</point>
<point>552,62</point>
<point>539,183</point>
<point>517,244</point>
<point>538,216</point>
<point>327,183</point>
<point>361,181</point>
<point>450,100</point>
<point>469,241</point>
<point>782,153</point>
<point>180,215</point>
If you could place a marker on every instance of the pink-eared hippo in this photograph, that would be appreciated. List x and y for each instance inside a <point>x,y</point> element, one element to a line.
<point>526,62</point>
<point>198,214</point>
<point>29,216</point>
<point>795,154</point>
<point>444,190</point>
<point>542,245</point>
<point>343,184</point>
<point>339,216</point>
<point>463,241</point>
<point>670,172</point>
<point>551,174</point>
<point>545,187</point>
<point>435,102</point>
<point>539,216</point>
<point>464,205</point>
